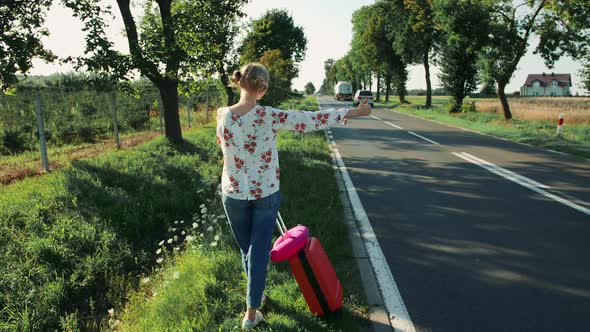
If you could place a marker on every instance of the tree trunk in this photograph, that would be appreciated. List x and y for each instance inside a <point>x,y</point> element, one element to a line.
<point>504,100</point>
<point>378,86</point>
<point>387,86</point>
<point>169,92</point>
<point>428,82</point>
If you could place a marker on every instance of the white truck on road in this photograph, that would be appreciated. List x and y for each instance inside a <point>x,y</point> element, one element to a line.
<point>343,91</point>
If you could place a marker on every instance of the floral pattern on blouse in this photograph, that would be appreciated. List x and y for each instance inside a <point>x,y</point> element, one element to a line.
<point>249,144</point>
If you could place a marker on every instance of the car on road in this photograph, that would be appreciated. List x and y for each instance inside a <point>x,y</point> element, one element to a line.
<point>362,94</point>
<point>343,91</point>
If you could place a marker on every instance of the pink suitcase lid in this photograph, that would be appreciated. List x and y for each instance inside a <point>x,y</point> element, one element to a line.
<point>289,244</point>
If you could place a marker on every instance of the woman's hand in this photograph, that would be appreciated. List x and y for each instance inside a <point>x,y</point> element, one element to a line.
<point>362,109</point>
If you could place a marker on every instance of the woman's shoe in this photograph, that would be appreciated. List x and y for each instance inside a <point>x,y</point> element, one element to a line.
<point>248,324</point>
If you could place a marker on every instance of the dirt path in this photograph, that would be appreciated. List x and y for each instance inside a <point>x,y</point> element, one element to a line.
<point>13,173</point>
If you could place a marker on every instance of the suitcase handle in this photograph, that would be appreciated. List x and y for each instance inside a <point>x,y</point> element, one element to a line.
<point>281,224</point>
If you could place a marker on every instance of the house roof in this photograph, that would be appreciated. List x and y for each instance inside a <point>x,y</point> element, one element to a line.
<point>546,79</point>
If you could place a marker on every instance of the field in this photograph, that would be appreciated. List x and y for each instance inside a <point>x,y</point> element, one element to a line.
<point>576,110</point>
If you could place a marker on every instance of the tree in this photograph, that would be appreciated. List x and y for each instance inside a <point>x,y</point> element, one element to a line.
<point>275,41</point>
<point>392,64</point>
<point>275,30</point>
<point>21,23</point>
<point>420,13</point>
<point>465,24</point>
<point>309,88</point>
<point>184,38</point>
<point>281,71</point>
<point>565,29</point>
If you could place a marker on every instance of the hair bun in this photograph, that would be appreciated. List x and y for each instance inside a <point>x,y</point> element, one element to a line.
<point>237,76</point>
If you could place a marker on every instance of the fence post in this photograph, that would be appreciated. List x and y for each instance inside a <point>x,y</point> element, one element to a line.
<point>560,121</point>
<point>161,112</point>
<point>188,113</point>
<point>115,119</point>
<point>41,126</point>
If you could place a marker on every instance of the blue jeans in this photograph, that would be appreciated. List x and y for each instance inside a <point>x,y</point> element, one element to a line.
<point>252,223</point>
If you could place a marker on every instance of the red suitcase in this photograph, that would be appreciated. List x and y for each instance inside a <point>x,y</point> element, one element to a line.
<point>316,278</point>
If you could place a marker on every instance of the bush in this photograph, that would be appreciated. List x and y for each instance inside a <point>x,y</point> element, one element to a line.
<point>12,141</point>
<point>468,107</point>
<point>136,118</point>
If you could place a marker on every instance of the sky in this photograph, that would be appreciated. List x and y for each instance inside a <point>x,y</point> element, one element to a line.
<point>327,26</point>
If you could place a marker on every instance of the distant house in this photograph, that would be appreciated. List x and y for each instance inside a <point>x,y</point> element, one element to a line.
<point>547,85</point>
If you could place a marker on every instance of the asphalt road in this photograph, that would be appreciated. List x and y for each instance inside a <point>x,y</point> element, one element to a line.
<point>473,248</point>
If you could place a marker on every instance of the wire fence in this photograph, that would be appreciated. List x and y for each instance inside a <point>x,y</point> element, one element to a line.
<point>50,118</point>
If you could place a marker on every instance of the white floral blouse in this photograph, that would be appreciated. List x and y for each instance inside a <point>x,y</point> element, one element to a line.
<point>249,144</point>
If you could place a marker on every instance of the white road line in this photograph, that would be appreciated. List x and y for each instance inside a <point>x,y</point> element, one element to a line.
<point>526,184</point>
<point>394,304</point>
<point>424,138</point>
<point>389,123</point>
<point>508,172</point>
<point>393,125</point>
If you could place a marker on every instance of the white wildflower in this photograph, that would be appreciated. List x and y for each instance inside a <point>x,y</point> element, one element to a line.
<point>161,243</point>
<point>213,244</point>
<point>202,206</point>
<point>175,238</point>
<point>183,233</point>
<point>159,251</point>
<point>190,239</point>
<point>176,248</point>
<point>145,280</point>
<point>175,275</point>
<point>182,222</point>
<point>111,311</point>
<point>159,260</point>
<point>170,240</point>
<point>216,238</point>
<point>195,225</point>
<point>210,229</point>
<point>174,229</point>
<point>203,210</point>
<point>175,222</point>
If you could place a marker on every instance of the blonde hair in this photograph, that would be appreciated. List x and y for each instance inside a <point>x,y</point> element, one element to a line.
<point>252,77</point>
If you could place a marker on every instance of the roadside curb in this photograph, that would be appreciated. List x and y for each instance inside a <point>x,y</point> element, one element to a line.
<point>378,314</point>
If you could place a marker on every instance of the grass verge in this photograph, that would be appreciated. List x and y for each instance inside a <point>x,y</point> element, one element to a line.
<point>575,139</point>
<point>75,240</point>
<point>203,289</point>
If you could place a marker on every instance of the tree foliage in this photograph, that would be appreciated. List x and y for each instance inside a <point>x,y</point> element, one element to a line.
<point>275,41</point>
<point>465,24</point>
<point>21,26</point>
<point>309,88</point>
<point>275,30</point>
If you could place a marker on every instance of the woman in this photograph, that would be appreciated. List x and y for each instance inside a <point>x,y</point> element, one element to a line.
<point>247,134</point>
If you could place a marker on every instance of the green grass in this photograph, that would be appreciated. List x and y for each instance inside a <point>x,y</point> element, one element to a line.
<point>208,293</point>
<point>74,240</point>
<point>575,140</point>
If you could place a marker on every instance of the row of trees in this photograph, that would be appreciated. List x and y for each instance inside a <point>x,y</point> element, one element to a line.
<point>473,42</point>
